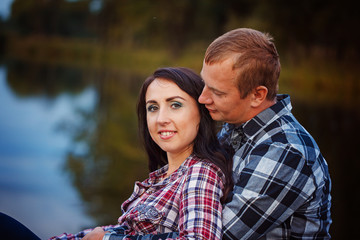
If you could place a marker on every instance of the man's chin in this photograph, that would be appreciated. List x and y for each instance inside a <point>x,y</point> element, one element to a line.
<point>215,116</point>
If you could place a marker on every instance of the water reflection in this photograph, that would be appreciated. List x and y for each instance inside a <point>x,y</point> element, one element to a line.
<point>33,188</point>
<point>70,154</point>
<point>75,129</point>
<point>110,160</point>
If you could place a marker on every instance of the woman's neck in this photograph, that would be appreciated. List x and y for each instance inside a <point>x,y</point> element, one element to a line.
<point>175,161</point>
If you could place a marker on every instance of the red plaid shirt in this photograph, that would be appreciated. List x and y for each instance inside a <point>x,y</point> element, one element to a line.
<point>187,202</point>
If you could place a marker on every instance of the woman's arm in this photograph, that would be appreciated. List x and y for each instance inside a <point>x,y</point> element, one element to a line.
<point>83,233</point>
<point>200,210</point>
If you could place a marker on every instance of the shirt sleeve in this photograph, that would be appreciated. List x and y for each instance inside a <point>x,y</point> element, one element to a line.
<point>116,236</point>
<point>200,213</point>
<point>273,181</point>
<point>81,234</point>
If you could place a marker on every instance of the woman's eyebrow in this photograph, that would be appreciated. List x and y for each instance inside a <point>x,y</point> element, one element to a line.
<point>174,97</point>
<point>150,101</point>
<point>168,99</point>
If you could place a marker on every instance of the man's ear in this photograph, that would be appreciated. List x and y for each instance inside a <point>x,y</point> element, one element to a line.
<point>259,96</point>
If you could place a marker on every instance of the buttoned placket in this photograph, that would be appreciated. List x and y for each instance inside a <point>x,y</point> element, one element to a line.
<point>237,138</point>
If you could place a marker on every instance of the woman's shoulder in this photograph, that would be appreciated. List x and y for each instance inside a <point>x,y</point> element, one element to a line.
<point>202,166</point>
<point>203,174</point>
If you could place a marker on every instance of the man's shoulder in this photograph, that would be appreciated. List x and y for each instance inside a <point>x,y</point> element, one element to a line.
<point>281,128</point>
<point>288,131</point>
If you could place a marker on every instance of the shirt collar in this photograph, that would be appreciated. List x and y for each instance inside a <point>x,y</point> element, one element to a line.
<point>257,123</point>
<point>157,175</point>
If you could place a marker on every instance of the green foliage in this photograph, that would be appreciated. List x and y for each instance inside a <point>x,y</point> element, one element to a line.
<point>174,25</point>
<point>51,18</point>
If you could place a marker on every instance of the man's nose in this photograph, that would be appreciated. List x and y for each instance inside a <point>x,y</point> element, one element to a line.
<point>204,98</point>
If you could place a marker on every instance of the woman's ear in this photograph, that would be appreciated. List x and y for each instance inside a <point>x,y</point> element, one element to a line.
<point>259,96</point>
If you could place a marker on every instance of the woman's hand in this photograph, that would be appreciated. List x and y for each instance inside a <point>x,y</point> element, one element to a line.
<point>96,234</point>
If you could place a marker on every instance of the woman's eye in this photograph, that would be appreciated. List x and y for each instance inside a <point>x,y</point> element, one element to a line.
<point>176,105</point>
<point>152,108</point>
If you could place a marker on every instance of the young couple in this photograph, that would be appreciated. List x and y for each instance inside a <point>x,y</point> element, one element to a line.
<point>262,177</point>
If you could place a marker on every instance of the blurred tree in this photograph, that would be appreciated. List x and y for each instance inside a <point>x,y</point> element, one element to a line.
<point>328,25</point>
<point>174,24</point>
<point>51,17</point>
<point>325,25</point>
<point>33,79</point>
<point>120,21</point>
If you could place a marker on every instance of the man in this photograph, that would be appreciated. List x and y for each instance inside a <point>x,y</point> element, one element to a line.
<point>282,183</point>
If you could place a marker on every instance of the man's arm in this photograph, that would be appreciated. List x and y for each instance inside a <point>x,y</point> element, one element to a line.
<point>274,182</point>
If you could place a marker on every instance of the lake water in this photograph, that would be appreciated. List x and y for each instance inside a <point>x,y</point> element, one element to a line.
<point>69,152</point>
<point>33,187</point>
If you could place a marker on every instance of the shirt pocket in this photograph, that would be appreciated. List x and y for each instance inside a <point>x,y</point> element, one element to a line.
<point>149,213</point>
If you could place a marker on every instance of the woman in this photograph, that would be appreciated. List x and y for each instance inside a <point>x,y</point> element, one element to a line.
<point>186,194</point>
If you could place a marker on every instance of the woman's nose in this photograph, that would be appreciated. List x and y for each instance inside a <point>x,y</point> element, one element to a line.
<point>163,116</point>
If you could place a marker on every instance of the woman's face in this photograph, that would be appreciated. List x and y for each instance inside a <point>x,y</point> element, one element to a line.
<point>172,116</point>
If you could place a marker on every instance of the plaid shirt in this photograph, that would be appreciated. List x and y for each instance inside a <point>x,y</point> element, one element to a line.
<point>187,202</point>
<point>282,183</point>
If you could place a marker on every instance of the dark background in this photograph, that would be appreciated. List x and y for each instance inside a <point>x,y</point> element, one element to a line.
<point>52,47</point>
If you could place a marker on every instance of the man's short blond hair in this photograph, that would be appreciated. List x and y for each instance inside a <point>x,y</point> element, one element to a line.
<point>255,59</point>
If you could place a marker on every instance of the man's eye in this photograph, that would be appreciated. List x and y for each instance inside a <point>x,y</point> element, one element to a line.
<point>176,105</point>
<point>152,108</point>
<point>218,93</point>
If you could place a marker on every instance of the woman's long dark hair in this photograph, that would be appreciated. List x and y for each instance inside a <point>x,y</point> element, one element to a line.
<point>206,144</point>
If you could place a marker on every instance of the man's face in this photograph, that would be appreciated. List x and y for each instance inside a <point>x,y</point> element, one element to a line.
<point>221,95</point>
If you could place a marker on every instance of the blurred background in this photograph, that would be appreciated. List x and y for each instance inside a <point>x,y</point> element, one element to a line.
<point>70,72</point>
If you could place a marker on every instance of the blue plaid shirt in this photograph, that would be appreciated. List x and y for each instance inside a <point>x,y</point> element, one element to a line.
<point>282,183</point>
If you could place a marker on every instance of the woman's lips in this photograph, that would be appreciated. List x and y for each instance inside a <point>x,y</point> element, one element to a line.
<point>166,134</point>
